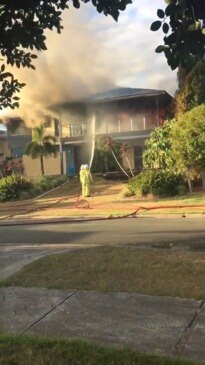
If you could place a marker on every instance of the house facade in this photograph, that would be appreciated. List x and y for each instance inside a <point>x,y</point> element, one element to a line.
<point>18,135</point>
<point>4,150</point>
<point>127,114</point>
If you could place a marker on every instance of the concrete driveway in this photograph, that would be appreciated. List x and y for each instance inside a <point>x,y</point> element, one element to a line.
<point>153,325</point>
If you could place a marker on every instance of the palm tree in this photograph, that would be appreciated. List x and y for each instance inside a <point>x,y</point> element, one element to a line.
<point>41,145</point>
<point>125,148</point>
<point>110,145</point>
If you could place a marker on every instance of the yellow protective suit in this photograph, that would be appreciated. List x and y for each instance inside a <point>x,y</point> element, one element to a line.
<point>85,179</point>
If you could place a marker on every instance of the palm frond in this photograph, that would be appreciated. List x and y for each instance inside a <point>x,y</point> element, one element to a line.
<point>49,149</point>
<point>49,138</point>
<point>37,133</point>
<point>125,148</point>
<point>33,149</point>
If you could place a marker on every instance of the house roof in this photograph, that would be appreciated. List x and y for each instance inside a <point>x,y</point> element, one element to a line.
<point>125,93</point>
<point>119,93</point>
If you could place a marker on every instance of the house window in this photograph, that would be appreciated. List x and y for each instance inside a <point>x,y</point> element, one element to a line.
<point>151,121</point>
<point>112,123</point>
<point>138,152</point>
<point>56,127</point>
<point>47,122</point>
<point>124,122</point>
<point>113,127</point>
<point>100,123</point>
<point>137,123</point>
<point>76,130</point>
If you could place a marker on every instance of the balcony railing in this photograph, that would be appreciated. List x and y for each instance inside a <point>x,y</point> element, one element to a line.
<point>135,124</point>
<point>74,130</point>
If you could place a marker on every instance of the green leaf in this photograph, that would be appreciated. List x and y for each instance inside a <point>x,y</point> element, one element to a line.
<point>165,28</point>
<point>168,1</point>
<point>159,49</point>
<point>197,25</point>
<point>170,9</point>
<point>76,4</point>
<point>191,27</point>
<point>156,25</point>
<point>160,13</point>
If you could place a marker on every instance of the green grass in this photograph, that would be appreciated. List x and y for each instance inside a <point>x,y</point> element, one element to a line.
<point>194,198</point>
<point>182,211</point>
<point>118,269</point>
<point>37,351</point>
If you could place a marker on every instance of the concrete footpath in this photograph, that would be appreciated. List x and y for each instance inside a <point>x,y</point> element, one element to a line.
<point>152,325</point>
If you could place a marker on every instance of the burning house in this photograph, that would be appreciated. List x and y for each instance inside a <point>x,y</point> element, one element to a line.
<point>127,114</point>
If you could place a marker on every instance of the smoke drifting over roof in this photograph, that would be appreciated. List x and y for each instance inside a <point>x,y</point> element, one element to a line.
<point>70,69</point>
<point>94,54</point>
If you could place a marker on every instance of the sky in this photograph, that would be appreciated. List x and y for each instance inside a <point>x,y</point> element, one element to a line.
<point>129,45</point>
<point>95,53</point>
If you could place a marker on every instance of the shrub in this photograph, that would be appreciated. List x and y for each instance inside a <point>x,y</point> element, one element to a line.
<point>33,192</point>
<point>24,195</point>
<point>62,179</point>
<point>36,190</point>
<point>18,187</point>
<point>157,182</point>
<point>12,186</point>
<point>126,192</point>
<point>55,183</point>
<point>37,179</point>
<point>44,186</point>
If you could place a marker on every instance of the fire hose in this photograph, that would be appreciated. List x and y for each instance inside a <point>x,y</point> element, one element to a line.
<point>80,201</point>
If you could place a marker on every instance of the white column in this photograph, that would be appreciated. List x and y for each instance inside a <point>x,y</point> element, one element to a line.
<point>106,125</point>
<point>60,145</point>
<point>144,122</point>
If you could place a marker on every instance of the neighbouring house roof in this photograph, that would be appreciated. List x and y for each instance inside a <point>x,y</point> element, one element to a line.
<point>126,93</point>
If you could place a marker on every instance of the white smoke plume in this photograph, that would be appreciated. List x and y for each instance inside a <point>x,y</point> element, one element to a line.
<point>70,69</point>
<point>94,53</point>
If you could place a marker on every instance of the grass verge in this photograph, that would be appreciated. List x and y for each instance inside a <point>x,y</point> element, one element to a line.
<point>118,269</point>
<point>37,351</point>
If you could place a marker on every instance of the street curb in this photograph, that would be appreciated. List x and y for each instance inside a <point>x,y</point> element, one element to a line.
<point>54,220</point>
<point>15,222</point>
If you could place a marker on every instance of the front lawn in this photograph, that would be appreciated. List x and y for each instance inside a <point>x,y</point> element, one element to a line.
<point>118,269</point>
<point>37,351</point>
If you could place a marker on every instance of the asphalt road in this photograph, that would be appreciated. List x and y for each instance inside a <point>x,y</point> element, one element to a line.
<point>21,244</point>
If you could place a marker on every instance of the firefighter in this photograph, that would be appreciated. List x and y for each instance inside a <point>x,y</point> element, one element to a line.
<point>86,179</point>
<point>81,175</point>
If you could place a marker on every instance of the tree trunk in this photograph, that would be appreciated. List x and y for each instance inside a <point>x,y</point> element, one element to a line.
<point>190,186</point>
<point>128,162</point>
<point>106,163</point>
<point>42,166</point>
<point>119,164</point>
